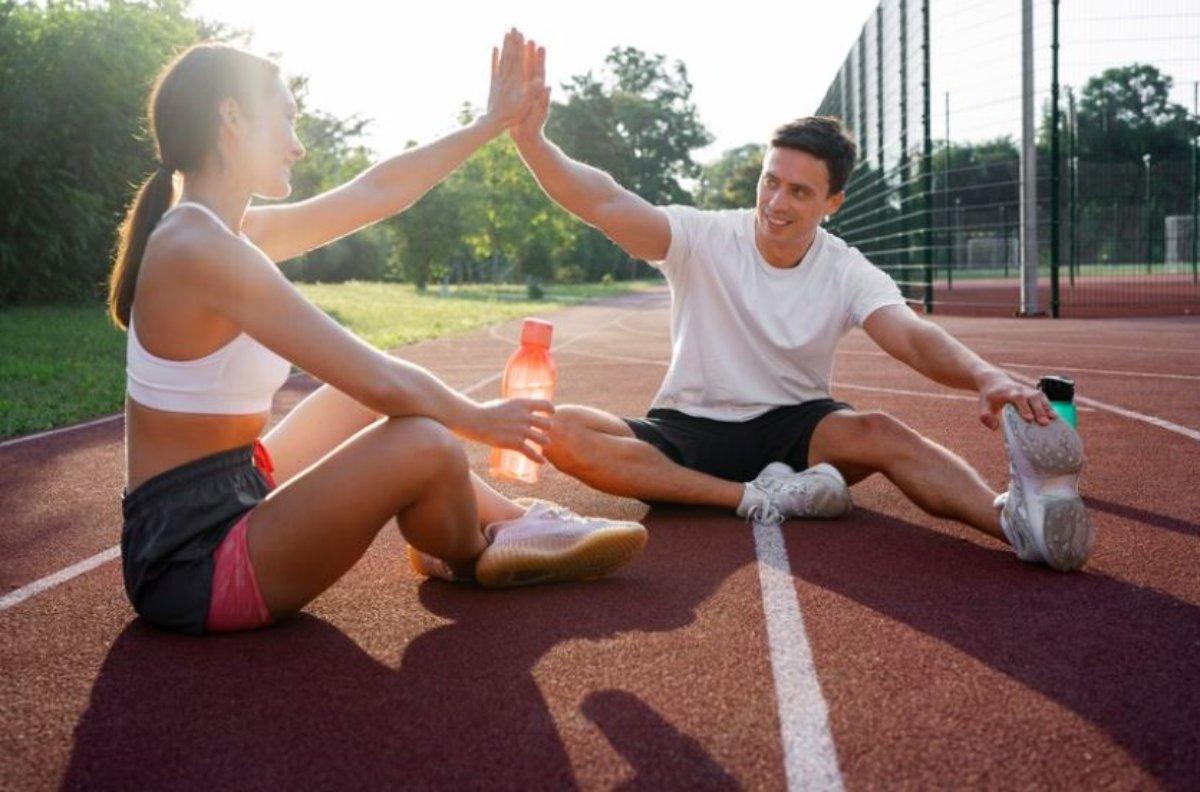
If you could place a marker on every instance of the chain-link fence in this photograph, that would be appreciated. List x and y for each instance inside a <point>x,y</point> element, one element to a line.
<point>932,91</point>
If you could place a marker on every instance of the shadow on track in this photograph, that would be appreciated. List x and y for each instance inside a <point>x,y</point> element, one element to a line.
<point>302,705</point>
<point>1121,656</point>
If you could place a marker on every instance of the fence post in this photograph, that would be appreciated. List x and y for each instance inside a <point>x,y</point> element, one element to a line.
<point>1195,177</point>
<point>1029,241</point>
<point>1055,217</point>
<point>902,164</point>
<point>927,157</point>
<point>1072,189</point>
<point>1147,161</point>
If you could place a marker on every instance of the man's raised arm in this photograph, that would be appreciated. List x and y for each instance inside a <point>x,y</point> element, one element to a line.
<point>590,194</point>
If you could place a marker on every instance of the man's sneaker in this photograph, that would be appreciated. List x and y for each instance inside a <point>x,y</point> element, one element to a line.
<point>552,543</point>
<point>778,492</point>
<point>1042,514</point>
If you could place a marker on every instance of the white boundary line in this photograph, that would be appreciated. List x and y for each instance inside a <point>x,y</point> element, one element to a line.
<point>809,755</point>
<point>1118,373</point>
<point>1051,367</point>
<point>1153,420</point>
<point>63,575</point>
<point>61,429</point>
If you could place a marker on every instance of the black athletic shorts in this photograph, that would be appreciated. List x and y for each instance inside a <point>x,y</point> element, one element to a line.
<point>173,524</point>
<point>735,450</point>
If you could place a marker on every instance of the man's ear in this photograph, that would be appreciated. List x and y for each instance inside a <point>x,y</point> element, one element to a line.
<point>834,202</point>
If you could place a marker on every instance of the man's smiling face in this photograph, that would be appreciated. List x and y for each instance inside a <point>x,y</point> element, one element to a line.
<point>793,196</point>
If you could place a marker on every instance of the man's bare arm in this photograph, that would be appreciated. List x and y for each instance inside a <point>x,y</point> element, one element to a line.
<point>590,194</point>
<point>942,358</point>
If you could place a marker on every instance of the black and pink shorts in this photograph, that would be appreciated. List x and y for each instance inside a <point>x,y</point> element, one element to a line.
<point>183,546</point>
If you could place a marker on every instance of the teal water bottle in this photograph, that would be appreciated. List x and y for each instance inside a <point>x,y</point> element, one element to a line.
<point>1061,393</point>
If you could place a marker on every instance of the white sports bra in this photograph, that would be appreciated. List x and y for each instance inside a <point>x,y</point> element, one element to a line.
<point>239,378</point>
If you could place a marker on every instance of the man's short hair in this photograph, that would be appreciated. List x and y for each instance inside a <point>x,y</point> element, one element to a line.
<point>825,138</point>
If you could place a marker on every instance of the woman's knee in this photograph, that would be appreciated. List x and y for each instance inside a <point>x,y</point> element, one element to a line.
<point>417,439</point>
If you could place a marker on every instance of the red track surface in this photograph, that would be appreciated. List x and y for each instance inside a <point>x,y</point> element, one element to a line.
<point>1091,296</point>
<point>943,660</point>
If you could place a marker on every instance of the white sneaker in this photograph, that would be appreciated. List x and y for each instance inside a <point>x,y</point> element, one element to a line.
<point>778,493</point>
<point>1042,514</point>
<point>552,543</point>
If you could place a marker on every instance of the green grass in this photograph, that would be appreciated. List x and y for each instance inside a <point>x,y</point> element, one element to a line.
<point>389,315</point>
<point>60,365</point>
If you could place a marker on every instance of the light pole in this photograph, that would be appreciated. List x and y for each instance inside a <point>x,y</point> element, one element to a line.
<point>1149,238</point>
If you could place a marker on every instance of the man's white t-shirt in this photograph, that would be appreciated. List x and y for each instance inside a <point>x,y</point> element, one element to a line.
<point>747,337</point>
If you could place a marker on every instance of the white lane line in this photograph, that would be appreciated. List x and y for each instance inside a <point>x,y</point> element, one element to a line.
<point>60,430</point>
<point>62,576</point>
<point>106,419</point>
<point>809,756</point>
<point>1053,367</point>
<point>1180,350</point>
<point>1115,372</point>
<point>1153,420</point>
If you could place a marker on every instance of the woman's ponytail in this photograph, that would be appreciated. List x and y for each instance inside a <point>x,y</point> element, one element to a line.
<point>152,201</point>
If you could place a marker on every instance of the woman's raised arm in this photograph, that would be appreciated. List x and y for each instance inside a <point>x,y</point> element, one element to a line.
<point>287,230</point>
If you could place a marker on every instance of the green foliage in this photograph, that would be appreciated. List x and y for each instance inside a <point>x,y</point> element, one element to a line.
<point>74,82</point>
<point>58,365</point>
<point>1126,111</point>
<point>64,364</point>
<point>732,181</point>
<point>335,155</point>
<point>636,121</point>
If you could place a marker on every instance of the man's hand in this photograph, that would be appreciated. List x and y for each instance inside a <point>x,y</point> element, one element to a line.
<point>529,129</point>
<point>997,389</point>
<point>511,94</point>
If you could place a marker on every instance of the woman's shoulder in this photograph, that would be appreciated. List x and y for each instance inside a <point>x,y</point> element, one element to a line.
<point>190,241</point>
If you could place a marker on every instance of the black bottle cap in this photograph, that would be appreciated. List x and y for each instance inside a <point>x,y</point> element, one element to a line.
<point>1059,389</point>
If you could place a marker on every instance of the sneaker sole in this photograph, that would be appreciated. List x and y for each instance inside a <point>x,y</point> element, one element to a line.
<point>593,555</point>
<point>1046,461</point>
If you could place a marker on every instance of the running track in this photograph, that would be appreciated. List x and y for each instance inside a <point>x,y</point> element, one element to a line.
<point>883,650</point>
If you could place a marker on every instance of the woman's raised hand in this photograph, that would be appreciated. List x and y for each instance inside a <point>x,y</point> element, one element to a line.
<point>511,93</point>
<point>517,424</point>
<point>531,125</point>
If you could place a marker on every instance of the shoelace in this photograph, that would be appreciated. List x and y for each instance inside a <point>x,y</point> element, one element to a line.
<point>766,513</point>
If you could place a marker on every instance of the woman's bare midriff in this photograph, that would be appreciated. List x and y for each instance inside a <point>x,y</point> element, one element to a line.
<point>156,440</point>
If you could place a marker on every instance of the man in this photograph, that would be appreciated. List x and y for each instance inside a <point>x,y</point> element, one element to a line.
<point>760,298</point>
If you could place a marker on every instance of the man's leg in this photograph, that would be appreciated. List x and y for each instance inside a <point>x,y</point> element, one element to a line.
<point>600,450</point>
<point>938,481</point>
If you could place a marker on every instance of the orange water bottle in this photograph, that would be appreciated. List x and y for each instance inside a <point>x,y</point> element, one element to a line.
<point>529,374</point>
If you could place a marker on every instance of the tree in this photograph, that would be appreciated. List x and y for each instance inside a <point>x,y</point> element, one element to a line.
<point>732,181</point>
<point>335,154</point>
<point>73,84</point>
<point>636,121</point>
<point>1126,111</point>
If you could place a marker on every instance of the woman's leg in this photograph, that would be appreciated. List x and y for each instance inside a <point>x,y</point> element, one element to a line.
<point>324,420</point>
<point>314,527</point>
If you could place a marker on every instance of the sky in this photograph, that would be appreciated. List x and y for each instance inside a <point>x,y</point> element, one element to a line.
<point>411,66</point>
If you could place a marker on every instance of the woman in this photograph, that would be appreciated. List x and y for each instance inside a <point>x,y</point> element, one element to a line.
<point>222,531</point>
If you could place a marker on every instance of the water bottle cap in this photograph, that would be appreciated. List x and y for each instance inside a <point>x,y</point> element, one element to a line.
<point>1060,389</point>
<point>537,332</point>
